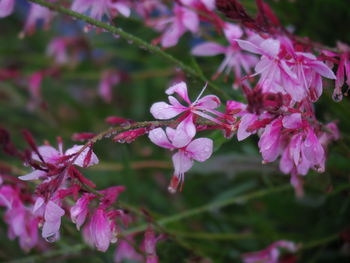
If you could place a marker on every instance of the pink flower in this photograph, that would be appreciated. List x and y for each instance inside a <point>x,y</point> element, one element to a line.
<point>270,141</point>
<point>184,19</point>
<point>235,60</point>
<point>309,71</point>
<point>199,149</point>
<point>271,254</point>
<point>109,79</point>
<point>98,8</point>
<point>6,7</point>
<point>50,155</point>
<point>21,221</point>
<point>149,246</point>
<point>304,150</point>
<point>99,232</point>
<point>36,13</point>
<point>186,129</point>
<point>52,221</point>
<point>79,211</point>
<point>126,251</point>
<point>275,73</point>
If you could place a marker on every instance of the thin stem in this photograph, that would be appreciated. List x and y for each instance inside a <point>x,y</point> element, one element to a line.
<point>67,251</point>
<point>135,40</point>
<point>215,205</point>
<point>318,242</point>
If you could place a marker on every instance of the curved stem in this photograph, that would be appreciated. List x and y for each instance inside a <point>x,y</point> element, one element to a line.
<point>135,40</point>
<point>215,205</point>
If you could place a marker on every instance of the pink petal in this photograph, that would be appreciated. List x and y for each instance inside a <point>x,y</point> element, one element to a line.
<point>200,149</point>
<point>292,121</point>
<point>180,89</point>
<point>209,4</point>
<point>286,163</point>
<point>313,149</point>
<point>49,154</point>
<point>190,20</point>
<point>158,137</point>
<point>163,111</point>
<point>52,216</point>
<point>208,102</point>
<point>246,121</point>
<point>248,46</point>
<point>100,230</point>
<point>208,49</point>
<point>80,159</point>
<point>322,69</point>
<point>184,132</point>
<point>270,140</point>
<point>295,147</point>
<point>123,9</point>
<point>170,132</point>
<point>232,32</point>
<point>171,35</point>
<point>79,211</point>
<point>35,175</point>
<point>271,47</point>
<point>182,163</point>
<point>6,7</point>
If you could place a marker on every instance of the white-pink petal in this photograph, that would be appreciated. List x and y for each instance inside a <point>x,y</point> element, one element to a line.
<point>270,47</point>
<point>200,149</point>
<point>184,132</point>
<point>164,111</point>
<point>35,175</point>
<point>208,102</point>
<point>49,154</point>
<point>190,20</point>
<point>81,158</point>
<point>182,163</point>
<point>123,9</point>
<point>158,137</point>
<point>248,46</point>
<point>180,89</point>
<point>232,32</point>
<point>322,69</point>
<point>247,120</point>
<point>52,216</point>
<point>208,49</point>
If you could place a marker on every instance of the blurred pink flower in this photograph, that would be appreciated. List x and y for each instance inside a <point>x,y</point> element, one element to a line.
<point>98,8</point>
<point>271,254</point>
<point>109,79</point>
<point>235,60</point>
<point>36,13</point>
<point>6,7</point>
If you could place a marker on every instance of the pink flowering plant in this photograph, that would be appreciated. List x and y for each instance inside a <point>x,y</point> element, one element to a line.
<point>174,131</point>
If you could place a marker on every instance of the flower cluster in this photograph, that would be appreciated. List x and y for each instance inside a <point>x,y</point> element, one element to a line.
<point>62,190</point>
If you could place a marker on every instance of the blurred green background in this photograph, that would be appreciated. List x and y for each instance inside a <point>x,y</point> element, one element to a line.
<point>71,104</point>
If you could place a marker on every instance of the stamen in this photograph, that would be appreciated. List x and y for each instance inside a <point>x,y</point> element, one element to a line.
<point>201,93</point>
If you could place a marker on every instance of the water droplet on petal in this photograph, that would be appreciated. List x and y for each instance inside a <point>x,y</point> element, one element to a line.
<point>337,95</point>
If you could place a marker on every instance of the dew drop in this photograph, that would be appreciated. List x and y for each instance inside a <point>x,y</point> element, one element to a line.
<point>337,95</point>
<point>51,238</point>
